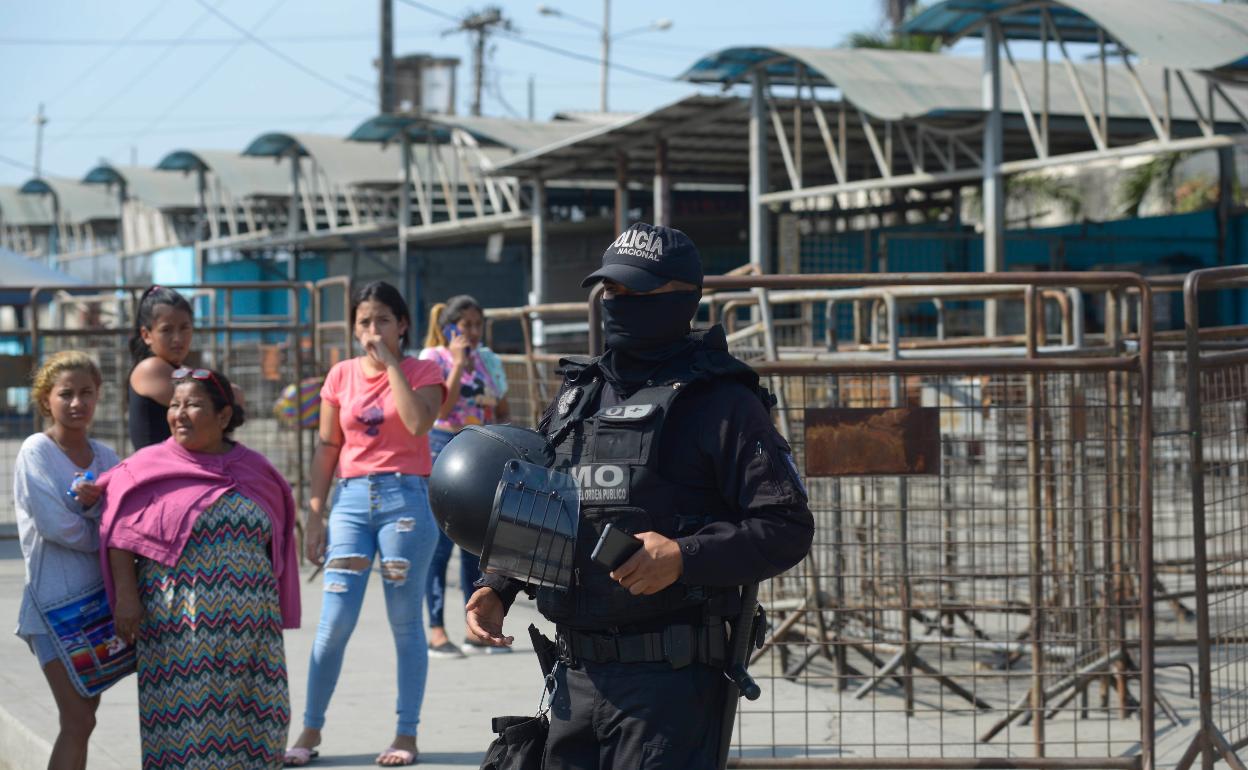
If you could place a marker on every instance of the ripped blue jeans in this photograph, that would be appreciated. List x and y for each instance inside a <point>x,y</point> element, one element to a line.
<point>386,515</point>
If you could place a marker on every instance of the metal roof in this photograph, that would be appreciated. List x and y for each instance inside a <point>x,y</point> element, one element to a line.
<point>516,135</point>
<point>19,210</point>
<point>708,140</point>
<point>895,85</point>
<point>78,202</point>
<point>343,161</point>
<point>720,121</point>
<point>158,189</point>
<point>240,175</point>
<point>18,273</point>
<point>1170,33</point>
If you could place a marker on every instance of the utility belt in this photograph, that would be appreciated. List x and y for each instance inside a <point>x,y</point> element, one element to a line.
<point>677,644</point>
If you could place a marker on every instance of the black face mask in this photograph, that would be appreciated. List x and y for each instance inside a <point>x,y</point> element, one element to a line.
<point>640,323</point>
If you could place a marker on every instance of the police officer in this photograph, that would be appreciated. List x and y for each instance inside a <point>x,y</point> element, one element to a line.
<point>670,440</point>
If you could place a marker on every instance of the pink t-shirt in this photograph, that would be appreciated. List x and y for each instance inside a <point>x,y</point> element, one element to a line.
<point>375,440</point>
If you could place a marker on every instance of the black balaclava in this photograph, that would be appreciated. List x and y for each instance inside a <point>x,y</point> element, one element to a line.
<point>643,332</point>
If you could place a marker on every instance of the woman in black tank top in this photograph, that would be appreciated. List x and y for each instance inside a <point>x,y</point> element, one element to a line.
<point>163,327</point>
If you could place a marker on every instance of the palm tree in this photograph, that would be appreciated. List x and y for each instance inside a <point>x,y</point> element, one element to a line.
<point>888,37</point>
<point>896,11</point>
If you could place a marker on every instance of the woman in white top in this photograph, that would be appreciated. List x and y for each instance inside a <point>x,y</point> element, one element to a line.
<point>58,523</point>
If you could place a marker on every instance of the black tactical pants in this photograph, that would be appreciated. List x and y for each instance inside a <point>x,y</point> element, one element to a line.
<point>621,716</point>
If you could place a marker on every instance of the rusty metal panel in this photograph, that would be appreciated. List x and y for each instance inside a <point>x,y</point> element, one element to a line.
<point>901,441</point>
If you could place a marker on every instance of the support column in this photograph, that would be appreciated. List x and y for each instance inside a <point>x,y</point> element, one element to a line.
<point>993,193</point>
<point>760,222</point>
<point>621,192</point>
<point>538,294</point>
<point>662,184</point>
<point>292,214</point>
<point>405,219</point>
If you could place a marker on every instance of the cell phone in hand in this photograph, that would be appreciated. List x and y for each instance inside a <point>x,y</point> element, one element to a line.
<point>450,332</point>
<point>614,547</point>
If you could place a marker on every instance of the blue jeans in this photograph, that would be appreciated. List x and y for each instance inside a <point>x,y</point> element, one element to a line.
<point>386,514</point>
<point>469,564</point>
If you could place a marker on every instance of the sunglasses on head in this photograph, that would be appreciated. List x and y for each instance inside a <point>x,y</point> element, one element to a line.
<point>203,375</point>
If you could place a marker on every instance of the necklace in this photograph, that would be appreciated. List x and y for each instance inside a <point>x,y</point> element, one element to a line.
<point>74,453</point>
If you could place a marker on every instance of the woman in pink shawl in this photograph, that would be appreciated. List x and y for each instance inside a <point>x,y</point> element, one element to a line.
<point>198,549</point>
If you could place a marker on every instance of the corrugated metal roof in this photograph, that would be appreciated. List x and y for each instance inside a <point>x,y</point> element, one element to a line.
<point>516,135</point>
<point>343,161</point>
<point>20,210</point>
<point>79,202</point>
<point>1170,33</point>
<point>895,85</point>
<point>158,189</point>
<point>240,175</point>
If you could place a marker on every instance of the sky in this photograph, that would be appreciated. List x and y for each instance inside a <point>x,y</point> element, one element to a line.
<point>139,78</point>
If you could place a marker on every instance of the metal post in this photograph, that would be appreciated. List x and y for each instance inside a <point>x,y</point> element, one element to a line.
<point>606,53</point>
<point>993,183</point>
<point>405,215</point>
<point>621,191</point>
<point>662,184</point>
<point>538,293</point>
<point>385,79</point>
<point>760,231</point>
<point>292,210</point>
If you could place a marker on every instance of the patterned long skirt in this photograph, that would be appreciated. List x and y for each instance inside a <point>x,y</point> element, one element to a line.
<point>211,665</point>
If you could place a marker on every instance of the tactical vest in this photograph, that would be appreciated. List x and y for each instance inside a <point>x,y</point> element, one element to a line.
<point>613,453</point>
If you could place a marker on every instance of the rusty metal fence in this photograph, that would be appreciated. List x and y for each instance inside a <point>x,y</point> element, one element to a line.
<point>264,336</point>
<point>1217,410</point>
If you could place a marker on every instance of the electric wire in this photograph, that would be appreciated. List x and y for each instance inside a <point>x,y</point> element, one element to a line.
<point>284,57</point>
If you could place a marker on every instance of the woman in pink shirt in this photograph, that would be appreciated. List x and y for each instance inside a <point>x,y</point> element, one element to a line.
<point>376,412</point>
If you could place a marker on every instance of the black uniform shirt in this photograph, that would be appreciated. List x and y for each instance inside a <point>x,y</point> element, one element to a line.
<point>719,435</point>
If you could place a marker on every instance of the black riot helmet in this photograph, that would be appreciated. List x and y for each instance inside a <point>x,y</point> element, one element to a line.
<point>465,478</point>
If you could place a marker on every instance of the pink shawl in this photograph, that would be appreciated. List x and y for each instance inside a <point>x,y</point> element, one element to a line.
<point>152,499</point>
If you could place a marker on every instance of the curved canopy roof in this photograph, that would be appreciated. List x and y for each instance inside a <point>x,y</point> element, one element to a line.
<point>159,189</point>
<point>896,85</point>
<point>516,135</point>
<point>78,202</point>
<point>1169,33</point>
<point>241,175</point>
<point>18,210</point>
<point>343,161</point>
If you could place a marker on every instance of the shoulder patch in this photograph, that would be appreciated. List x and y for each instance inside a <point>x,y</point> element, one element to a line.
<point>628,413</point>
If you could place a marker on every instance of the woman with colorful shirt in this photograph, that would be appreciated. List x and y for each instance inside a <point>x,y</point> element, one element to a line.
<point>478,387</point>
<point>376,412</point>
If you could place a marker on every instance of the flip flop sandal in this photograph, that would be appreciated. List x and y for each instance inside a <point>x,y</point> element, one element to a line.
<point>299,756</point>
<point>408,757</point>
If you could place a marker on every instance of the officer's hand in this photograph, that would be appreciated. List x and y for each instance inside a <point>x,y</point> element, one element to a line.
<point>655,566</point>
<point>484,618</point>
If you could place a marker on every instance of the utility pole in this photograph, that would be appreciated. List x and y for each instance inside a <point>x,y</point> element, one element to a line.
<point>532,99</point>
<point>481,24</point>
<point>385,85</point>
<point>606,53</point>
<point>41,120</point>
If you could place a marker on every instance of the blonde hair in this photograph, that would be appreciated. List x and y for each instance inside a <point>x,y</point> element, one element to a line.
<point>434,337</point>
<point>53,367</point>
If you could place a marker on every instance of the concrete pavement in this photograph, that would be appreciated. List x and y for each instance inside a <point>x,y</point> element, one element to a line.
<point>460,698</point>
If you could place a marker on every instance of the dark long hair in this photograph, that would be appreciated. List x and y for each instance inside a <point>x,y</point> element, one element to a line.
<point>221,396</point>
<point>380,291</point>
<point>154,297</point>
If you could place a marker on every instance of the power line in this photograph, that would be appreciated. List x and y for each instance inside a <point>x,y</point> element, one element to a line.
<point>95,65</point>
<point>189,91</point>
<point>518,38</point>
<point>289,60</point>
<point>95,42</point>
<point>142,74</point>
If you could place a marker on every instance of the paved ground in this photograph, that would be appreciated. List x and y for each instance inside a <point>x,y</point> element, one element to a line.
<point>461,698</point>
<point>464,694</point>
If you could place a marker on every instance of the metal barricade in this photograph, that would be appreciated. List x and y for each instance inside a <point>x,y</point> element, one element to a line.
<point>1217,412</point>
<point>240,328</point>
<point>976,593</point>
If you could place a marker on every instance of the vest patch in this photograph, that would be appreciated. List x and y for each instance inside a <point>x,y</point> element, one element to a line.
<point>627,413</point>
<point>601,483</point>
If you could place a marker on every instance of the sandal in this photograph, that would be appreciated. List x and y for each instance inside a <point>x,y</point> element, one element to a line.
<point>407,757</point>
<point>298,756</point>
